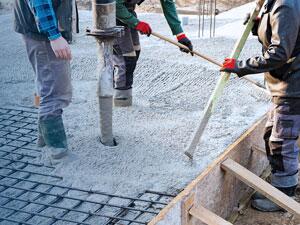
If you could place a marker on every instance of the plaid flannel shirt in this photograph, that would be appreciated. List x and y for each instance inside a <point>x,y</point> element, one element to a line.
<point>45,18</point>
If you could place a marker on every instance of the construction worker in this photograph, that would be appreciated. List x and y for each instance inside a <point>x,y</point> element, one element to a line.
<point>278,31</point>
<point>127,48</point>
<point>46,28</point>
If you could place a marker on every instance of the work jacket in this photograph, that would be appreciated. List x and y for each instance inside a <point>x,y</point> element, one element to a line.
<point>125,14</point>
<point>66,14</point>
<point>279,34</point>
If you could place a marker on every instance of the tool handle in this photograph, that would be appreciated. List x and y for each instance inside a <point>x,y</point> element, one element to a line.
<point>256,83</point>
<point>208,111</point>
<point>202,56</point>
<point>185,47</point>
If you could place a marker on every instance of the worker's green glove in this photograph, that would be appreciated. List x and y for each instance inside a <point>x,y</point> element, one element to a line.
<point>182,39</point>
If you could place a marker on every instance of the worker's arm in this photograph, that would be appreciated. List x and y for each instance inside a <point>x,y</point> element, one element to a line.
<point>169,10</point>
<point>45,18</point>
<point>283,41</point>
<point>130,20</point>
<point>47,23</point>
<point>124,15</point>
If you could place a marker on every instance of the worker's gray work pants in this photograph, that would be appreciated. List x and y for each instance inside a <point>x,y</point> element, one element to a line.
<point>126,53</point>
<point>281,134</point>
<point>53,77</point>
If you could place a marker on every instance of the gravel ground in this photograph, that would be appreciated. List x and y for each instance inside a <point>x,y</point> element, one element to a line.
<point>170,92</point>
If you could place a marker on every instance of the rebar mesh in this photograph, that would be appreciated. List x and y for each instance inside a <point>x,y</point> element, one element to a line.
<point>31,194</point>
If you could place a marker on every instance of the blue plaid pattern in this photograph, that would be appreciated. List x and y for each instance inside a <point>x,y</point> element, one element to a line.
<point>45,17</point>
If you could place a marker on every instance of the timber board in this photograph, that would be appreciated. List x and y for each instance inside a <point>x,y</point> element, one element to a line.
<point>214,189</point>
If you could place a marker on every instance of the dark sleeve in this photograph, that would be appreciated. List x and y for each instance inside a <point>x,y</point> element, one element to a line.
<point>285,28</point>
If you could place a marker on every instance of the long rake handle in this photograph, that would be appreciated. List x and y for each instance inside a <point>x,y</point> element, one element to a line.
<point>209,59</point>
<point>221,84</point>
<point>186,48</point>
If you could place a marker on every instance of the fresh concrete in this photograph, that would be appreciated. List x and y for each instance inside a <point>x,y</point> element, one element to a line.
<point>170,91</point>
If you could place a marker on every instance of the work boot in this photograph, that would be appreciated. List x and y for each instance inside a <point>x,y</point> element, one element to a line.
<point>263,204</point>
<point>123,98</point>
<point>257,195</point>
<point>54,135</point>
<point>40,142</point>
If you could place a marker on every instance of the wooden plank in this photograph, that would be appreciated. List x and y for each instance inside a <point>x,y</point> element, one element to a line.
<point>261,186</point>
<point>214,189</point>
<point>207,217</point>
<point>246,199</point>
<point>185,210</point>
<point>258,149</point>
<point>212,102</point>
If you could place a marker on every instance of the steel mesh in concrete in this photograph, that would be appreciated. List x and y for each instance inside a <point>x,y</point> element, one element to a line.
<point>30,193</point>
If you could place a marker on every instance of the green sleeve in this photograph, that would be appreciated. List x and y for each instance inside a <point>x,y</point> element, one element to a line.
<point>124,15</point>
<point>169,9</point>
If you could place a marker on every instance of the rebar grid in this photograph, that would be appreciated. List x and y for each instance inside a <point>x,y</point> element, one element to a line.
<point>31,194</point>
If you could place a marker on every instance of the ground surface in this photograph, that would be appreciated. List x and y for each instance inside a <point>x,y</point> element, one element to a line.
<point>191,5</point>
<point>154,5</point>
<point>252,216</point>
<point>170,92</point>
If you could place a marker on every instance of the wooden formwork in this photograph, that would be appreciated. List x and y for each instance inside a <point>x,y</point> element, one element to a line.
<point>215,189</point>
<point>216,192</point>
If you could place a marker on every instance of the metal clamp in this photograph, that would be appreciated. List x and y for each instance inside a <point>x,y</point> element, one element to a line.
<point>114,32</point>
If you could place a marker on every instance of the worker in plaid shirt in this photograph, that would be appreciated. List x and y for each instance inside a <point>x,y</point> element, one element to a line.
<point>46,27</point>
<point>45,16</point>
<point>43,11</point>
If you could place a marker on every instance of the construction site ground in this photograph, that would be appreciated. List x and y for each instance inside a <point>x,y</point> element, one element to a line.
<point>251,217</point>
<point>170,92</point>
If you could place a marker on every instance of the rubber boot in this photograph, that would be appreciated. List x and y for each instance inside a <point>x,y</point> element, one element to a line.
<point>123,98</point>
<point>40,142</point>
<point>263,204</point>
<point>54,135</point>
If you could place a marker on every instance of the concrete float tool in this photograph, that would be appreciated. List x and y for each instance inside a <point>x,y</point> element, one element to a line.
<point>221,83</point>
<point>209,59</point>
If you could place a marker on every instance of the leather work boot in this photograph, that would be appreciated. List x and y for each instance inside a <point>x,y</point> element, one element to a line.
<point>263,204</point>
<point>123,98</point>
<point>53,132</point>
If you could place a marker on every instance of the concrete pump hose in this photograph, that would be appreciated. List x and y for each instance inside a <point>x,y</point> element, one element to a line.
<point>106,104</point>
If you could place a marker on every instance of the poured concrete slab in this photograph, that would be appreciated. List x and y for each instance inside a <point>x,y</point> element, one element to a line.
<point>170,92</point>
